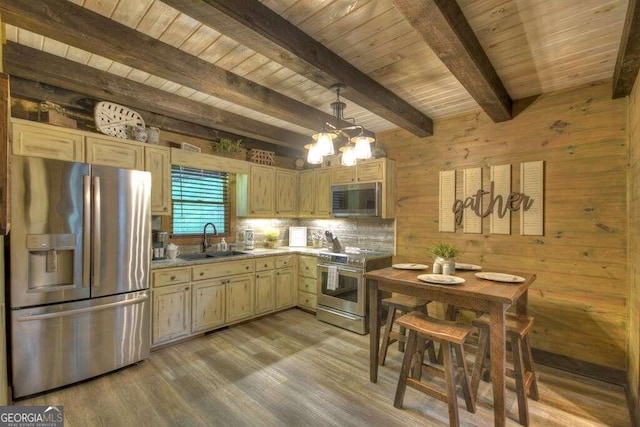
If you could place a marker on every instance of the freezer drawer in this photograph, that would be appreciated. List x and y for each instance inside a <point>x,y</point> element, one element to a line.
<point>64,343</point>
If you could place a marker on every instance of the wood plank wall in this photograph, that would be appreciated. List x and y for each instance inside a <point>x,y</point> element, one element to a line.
<point>581,294</point>
<point>633,358</point>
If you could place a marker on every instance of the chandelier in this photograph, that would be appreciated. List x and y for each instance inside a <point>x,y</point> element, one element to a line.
<point>357,140</point>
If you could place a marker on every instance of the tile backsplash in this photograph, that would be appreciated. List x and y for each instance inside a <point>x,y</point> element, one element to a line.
<point>370,233</point>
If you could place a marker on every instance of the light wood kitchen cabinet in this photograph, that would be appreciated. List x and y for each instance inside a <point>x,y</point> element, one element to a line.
<point>41,140</point>
<point>239,297</point>
<point>223,269</point>
<point>376,170</point>
<point>286,192</point>
<point>171,313</point>
<point>307,281</point>
<point>207,305</point>
<point>315,193</point>
<point>367,171</point>
<point>119,154</point>
<point>264,301</point>
<point>170,276</point>
<point>371,170</point>
<point>285,288</point>
<point>157,160</point>
<point>285,281</point>
<point>262,190</point>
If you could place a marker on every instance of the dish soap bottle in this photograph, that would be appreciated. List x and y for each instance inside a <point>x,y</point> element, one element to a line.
<point>223,245</point>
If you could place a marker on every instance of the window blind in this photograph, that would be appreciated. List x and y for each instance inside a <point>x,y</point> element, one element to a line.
<point>199,196</point>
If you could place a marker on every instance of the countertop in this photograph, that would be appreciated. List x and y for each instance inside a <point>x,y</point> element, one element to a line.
<point>254,253</point>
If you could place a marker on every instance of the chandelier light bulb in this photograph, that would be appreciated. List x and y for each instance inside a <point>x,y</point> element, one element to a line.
<point>348,156</point>
<point>324,141</point>
<point>363,148</point>
<point>314,157</point>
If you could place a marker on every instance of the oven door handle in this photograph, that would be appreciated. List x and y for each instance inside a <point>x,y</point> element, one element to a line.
<point>341,268</point>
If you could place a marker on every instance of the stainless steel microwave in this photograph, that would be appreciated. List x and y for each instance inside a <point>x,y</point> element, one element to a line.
<point>357,200</point>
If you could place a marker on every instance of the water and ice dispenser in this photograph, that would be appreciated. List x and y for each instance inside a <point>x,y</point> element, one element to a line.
<point>51,258</point>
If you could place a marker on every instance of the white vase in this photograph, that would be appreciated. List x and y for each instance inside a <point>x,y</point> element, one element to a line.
<point>451,262</point>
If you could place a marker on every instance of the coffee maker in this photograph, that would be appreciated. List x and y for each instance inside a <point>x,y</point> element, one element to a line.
<point>159,241</point>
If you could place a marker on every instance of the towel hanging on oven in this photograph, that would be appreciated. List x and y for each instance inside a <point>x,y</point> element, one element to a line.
<point>332,278</point>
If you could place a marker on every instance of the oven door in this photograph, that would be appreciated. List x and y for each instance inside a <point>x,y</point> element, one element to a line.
<point>348,293</point>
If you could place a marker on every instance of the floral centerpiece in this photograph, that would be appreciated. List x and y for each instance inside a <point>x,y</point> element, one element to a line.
<point>445,253</point>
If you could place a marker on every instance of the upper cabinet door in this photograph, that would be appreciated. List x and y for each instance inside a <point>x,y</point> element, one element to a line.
<point>157,161</point>
<point>343,174</point>
<point>371,171</point>
<point>115,153</point>
<point>39,140</point>
<point>324,205</point>
<point>307,192</point>
<point>262,190</point>
<point>286,193</point>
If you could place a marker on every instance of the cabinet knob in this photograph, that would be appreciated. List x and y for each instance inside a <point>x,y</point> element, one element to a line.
<point>247,267</point>
<point>172,278</point>
<point>202,273</point>
<point>186,289</point>
<point>165,208</point>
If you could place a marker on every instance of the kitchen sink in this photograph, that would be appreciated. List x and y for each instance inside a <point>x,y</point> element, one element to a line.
<point>205,255</point>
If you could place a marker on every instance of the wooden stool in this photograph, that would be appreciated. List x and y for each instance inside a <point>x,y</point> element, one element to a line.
<point>403,304</point>
<point>451,337</point>
<point>517,330</point>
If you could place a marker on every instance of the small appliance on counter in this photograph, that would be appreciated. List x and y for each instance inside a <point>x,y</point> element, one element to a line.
<point>159,241</point>
<point>248,239</point>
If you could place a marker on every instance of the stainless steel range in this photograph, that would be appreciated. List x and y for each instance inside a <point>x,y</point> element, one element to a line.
<point>342,291</point>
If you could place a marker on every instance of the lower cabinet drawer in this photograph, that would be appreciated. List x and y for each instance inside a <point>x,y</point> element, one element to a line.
<point>172,276</point>
<point>307,284</point>
<point>305,299</point>
<point>222,269</point>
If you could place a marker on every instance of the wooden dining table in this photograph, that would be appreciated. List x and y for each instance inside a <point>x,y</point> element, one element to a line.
<point>474,294</point>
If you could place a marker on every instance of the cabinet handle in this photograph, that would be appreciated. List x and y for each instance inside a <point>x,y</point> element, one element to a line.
<point>172,278</point>
<point>186,289</point>
<point>202,273</point>
<point>165,208</point>
<point>247,267</point>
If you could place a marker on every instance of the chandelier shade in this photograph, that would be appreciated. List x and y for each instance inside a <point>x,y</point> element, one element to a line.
<point>314,157</point>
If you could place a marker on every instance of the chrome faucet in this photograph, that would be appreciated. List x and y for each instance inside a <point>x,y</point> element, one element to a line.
<point>205,243</point>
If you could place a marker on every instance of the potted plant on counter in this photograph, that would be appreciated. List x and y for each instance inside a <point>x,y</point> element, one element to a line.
<point>271,238</point>
<point>445,254</point>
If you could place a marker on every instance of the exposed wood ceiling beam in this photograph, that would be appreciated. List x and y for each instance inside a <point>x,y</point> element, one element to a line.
<point>66,22</point>
<point>36,65</point>
<point>443,26</point>
<point>628,62</point>
<point>254,25</point>
<point>82,105</point>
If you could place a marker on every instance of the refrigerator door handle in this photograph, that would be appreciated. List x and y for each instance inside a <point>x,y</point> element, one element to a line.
<point>133,301</point>
<point>86,231</point>
<point>96,232</point>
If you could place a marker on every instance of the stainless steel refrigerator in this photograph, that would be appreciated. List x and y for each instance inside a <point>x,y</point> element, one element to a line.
<point>79,271</point>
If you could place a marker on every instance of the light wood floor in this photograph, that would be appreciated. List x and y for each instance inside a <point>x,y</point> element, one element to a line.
<point>290,369</point>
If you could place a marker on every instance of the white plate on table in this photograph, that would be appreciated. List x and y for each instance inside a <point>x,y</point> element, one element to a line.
<point>463,266</point>
<point>410,266</point>
<point>441,279</point>
<point>500,277</point>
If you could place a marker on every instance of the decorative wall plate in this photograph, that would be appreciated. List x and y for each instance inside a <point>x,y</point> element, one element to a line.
<point>113,119</point>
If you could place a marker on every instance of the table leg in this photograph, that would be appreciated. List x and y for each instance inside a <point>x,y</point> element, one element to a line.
<point>374,329</point>
<point>498,360</point>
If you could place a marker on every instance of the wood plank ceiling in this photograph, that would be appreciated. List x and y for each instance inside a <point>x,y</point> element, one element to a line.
<point>263,69</point>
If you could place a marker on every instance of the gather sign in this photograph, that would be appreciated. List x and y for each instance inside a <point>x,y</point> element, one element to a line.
<point>474,203</point>
<point>471,198</point>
